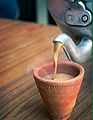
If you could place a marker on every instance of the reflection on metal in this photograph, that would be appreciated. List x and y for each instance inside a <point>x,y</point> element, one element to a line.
<point>79,53</point>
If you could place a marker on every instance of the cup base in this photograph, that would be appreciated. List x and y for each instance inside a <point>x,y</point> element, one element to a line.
<point>63,118</point>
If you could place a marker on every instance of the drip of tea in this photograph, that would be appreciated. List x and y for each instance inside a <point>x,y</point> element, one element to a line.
<point>57,47</point>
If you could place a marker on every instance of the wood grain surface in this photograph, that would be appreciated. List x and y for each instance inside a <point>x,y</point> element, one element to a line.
<point>22,47</point>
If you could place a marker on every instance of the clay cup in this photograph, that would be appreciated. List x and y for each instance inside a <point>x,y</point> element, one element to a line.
<point>59,97</point>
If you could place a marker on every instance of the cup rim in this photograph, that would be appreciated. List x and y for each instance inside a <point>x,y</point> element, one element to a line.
<point>78,77</point>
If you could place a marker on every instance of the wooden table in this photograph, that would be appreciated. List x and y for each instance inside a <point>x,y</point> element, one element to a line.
<point>22,47</point>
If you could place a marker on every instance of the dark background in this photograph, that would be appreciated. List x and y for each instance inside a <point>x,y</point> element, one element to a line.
<point>28,11</point>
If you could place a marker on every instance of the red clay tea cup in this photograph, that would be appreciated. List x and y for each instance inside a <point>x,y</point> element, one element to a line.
<point>59,97</point>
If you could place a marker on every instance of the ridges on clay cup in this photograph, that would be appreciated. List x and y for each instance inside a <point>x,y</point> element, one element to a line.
<point>59,97</point>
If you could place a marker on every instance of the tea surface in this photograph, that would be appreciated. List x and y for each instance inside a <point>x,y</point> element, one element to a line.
<point>59,77</point>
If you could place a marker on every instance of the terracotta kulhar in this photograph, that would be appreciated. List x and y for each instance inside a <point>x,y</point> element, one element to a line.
<point>59,97</point>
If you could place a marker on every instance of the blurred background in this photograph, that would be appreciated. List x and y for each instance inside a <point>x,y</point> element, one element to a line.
<point>26,10</point>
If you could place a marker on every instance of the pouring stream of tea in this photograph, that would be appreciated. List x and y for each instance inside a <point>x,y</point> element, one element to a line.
<point>57,47</point>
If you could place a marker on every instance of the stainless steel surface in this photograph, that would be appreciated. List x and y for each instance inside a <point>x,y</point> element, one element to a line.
<point>77,15</point>
<point>74,17</point>
<point>70,16</point>
<point>79,53</point>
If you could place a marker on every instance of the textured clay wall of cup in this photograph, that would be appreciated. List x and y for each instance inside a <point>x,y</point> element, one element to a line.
<point>59,97</point>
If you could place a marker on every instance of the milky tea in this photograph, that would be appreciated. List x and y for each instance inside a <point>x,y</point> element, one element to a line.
<point>56,76</point>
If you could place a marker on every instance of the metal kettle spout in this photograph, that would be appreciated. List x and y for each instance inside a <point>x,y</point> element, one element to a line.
<point>77,53</point>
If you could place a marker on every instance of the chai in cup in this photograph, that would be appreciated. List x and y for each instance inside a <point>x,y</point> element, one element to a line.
<point>59,95</point>
<point>59,85</point>
<point>59,77</point>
